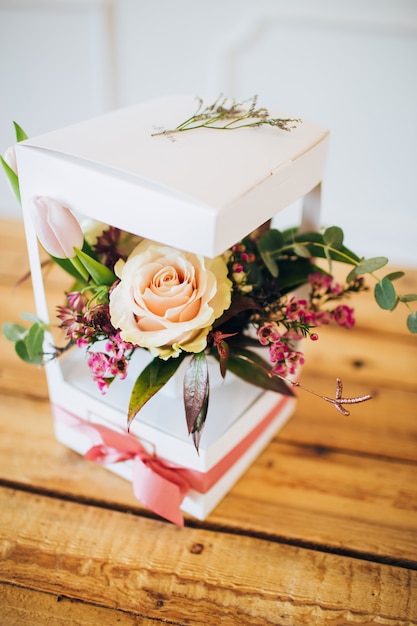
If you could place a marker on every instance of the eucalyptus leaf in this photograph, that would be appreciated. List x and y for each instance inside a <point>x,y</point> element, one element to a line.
<point>196,390</point>
<point>31,317</point>
<point>412,322</point>
<point>351,276</point>
<point>333,236</point>
<point>22,351</point>
<point>385,294</point>
<point>395,275</point>
<point>155,375</point>
<point>302,251</point>
<point>21,348</point>
<point>319,248</point>
<point>367,266</point>
<point>408,297</point>
<point>34,341</point>
<point>14,332</point>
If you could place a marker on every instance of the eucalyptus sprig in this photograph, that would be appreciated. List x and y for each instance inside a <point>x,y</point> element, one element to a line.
<point>227,114</point>
<point>274,245</point>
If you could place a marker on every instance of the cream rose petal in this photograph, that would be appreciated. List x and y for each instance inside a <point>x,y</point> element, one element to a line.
<point>167,300</point>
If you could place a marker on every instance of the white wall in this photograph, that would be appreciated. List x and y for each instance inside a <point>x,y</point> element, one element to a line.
<point>350,65</point>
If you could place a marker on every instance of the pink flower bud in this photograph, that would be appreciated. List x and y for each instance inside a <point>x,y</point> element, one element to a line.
<point>56,227</point>
<point>10,158</point>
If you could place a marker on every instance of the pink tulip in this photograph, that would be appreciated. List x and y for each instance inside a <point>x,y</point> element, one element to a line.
<point>10,158</point>
<point>57,228</point>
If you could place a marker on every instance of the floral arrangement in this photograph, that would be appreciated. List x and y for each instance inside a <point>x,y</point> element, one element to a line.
<point>243,308</point>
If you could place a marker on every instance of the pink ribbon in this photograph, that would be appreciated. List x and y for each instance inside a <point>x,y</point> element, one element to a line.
<point>157,483</point>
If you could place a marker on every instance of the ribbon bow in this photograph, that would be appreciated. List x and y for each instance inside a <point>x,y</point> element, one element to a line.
<point>158,484</point>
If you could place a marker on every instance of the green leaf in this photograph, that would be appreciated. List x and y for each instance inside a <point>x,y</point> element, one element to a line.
<point>155,375</point>
<point>367,266</point>
<point>269,244</point>
<point>252,368</point>
<point>196,390</point>
<point>319,248</point>
<point>34,342</point>
<point>13,179</point>
<point>395,275</point>
<point>22,352</point>
<point>99,273</point>
<point>412,322</point>
<point>293,274</point>
<point>333,237</point>
<point>20,133</point>
<point>302,251</point>
<point>385,294</point>
<point>408,297</point>
<point>31,317</point>
<point>14,332</point>
<point>29,348</point>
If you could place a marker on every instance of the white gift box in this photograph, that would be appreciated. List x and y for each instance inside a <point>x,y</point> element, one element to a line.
<point>200,191</point>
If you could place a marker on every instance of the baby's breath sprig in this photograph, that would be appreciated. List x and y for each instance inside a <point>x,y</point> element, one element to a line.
<point>227,114</point>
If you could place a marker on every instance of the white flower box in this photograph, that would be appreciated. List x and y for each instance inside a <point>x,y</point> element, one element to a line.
<point>200,191</point>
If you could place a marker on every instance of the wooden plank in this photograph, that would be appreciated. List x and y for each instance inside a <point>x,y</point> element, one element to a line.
<point>333,500</point>
<point>357,355</point>
<point>304,494</point>
<point>385,426</point>
<point>191,575</point>
<point>21,606</point>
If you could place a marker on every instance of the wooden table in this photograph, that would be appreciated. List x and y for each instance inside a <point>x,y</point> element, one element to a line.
<point>322,529</point>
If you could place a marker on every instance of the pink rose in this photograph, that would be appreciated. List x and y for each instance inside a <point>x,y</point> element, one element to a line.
<point>167,300</point>
<point>57,228</point>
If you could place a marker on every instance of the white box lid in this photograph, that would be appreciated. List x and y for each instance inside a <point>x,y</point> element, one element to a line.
<point>200,190</point>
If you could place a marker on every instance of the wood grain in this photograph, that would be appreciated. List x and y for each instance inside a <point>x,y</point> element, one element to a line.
<point>191,575</point>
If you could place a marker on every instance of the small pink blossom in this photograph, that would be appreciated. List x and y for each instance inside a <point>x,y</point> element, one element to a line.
<point>297,310</point>
<point>268,333</point>
<point>343,315</point>
<point>322,317</point>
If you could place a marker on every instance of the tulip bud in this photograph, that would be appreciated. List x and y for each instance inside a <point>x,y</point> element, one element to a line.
<point>57,228</point>
<point>10,158</point>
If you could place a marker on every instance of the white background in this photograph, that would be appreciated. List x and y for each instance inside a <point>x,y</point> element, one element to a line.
<point>350,65</point>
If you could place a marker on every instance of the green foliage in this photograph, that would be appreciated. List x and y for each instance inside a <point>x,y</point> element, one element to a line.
<point>268,245</point>
<point>155,375</point>
<point>412,322</point>
<point>19,132</point>
<point>28,341</point>
<point>253,369</point>
<point>385,294</point>
<point>13,179</point>
<point>11,175</point>
<point>99,273</point>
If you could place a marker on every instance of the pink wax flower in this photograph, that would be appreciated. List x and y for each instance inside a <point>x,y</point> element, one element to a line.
<point>56,226</point>
<point>343,315</point>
